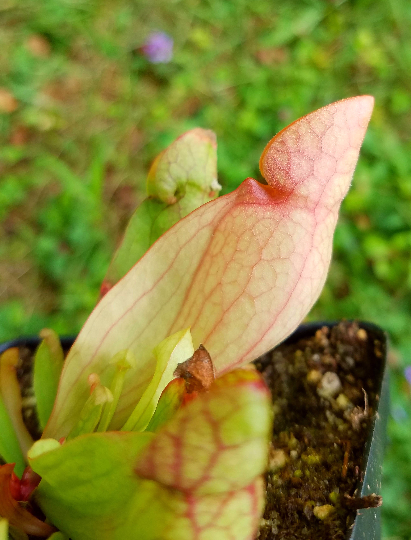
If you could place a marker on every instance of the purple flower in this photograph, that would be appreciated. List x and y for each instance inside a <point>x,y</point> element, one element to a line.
<point>399,414</point>
<point>158,48</point>
<point>407,373</point>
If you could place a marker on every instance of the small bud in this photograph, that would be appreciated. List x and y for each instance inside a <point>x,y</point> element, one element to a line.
<point>29,481</point>
<point>93,380</point>
<point>124,359</point>
<point>102,395</point>
<point>91,412</point>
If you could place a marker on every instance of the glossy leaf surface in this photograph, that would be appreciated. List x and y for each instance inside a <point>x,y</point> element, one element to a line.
<point>241,271</point>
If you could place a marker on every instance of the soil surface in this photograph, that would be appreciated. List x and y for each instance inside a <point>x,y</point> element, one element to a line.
<point>324,396</point>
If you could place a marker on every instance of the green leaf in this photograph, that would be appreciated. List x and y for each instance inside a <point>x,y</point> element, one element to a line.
<point>198,477</point>
<point>241,271</point>
<point>89,490</point>
<point>169,403</point>
<point>91,412</point>
<point>123,361</point>
<point>42,446</point>
<point>48,363</point>
<point>182,178</point>
<point>9,445</point>
<point>11,405</point>
<point>4,529</point>
<point>58,536</point>
<point>169,353</point>
<point>206,446</point>
<point>189,163</point>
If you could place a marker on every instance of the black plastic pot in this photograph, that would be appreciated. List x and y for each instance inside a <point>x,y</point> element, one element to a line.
<point>367,525</point>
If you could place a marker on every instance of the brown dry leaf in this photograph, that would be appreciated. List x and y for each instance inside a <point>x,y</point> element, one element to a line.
<point>197,371</point>
<point>358,503</point>
<point>39,46</point>
<point>8,103</point>
<point>272,56</point>
<point>64,89</point>
<point>19,136</point>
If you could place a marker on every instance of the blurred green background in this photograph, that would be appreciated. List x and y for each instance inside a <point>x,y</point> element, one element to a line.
<point>83,112</point>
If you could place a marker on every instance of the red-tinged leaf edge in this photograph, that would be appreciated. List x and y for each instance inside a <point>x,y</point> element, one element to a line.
<point>16,515</point>
<point>226,429</point>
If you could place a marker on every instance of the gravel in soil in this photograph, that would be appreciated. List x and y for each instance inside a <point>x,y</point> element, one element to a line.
<point>324,392</point>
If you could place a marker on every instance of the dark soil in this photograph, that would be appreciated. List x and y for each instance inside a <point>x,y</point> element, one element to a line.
<point>324,396</point>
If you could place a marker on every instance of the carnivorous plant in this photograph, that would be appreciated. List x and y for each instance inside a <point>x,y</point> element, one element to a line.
<point>156,426</point>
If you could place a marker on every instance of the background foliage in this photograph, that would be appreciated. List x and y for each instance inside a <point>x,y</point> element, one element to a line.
<point>83,113</point>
